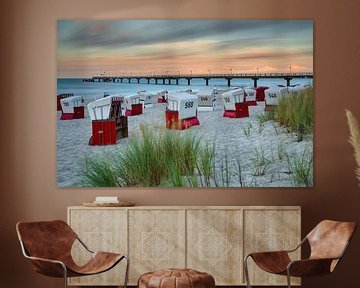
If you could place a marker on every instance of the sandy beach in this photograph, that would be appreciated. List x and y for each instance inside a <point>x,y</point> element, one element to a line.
<point>243,140</point>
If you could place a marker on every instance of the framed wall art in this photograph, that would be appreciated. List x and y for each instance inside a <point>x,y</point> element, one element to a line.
<point>185,103</point>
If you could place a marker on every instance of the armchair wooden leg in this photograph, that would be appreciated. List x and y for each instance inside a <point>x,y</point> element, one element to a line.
<point>246,270</point>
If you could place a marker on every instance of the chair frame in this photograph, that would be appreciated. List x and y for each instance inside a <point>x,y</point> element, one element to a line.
<point>26,255</point>
<point>288,276</point>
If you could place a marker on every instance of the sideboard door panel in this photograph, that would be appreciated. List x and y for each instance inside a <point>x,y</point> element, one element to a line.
<point>270,230</point>
<point>101,230</point>
<point>156,240</point>
<point>214,244</point>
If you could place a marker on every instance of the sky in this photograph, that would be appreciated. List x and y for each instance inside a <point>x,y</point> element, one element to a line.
<point>87,48</point>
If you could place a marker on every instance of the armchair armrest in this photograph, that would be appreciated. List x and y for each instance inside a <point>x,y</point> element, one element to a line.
<point>83,244</point>
<point>49,267</point>
<point>298,246</point>
<point>314,266</point>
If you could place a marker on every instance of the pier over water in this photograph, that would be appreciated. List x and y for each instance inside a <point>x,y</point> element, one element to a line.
<point>173,79</point>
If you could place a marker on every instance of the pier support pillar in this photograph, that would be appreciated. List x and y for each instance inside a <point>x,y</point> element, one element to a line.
<point>288,79</point>
<point>156,81</point>
<point>148,80</point>
<point>138,80</point>
<point>207,81</point>
<point>255,81</point>
<point>177,81</point>
<point>228,81</point>
<point>188,81</point>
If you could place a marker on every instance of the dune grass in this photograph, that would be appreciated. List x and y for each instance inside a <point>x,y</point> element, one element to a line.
<point>301,167</point>
<point>99,172</point>
<point>296,110</point>
<point>260,162</point>
<point>266,116</point>
<point>157,158</point>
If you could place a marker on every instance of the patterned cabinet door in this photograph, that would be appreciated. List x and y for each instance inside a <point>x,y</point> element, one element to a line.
<point>156,240</point>
<point>270,230</point>
<point>214,244</point>
<point>101,230</point>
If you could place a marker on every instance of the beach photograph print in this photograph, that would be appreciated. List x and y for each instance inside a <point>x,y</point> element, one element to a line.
<point>185,103</point>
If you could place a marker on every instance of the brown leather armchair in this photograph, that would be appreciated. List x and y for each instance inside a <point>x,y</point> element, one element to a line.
<point>328,242</point>
<point>48,245</point>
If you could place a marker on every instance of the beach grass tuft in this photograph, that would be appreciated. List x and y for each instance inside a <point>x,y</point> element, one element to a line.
<point>281,153</point>
<point>157,158</point>
<point>247,129</point>
<point>98,172</point>
<point>261,127</point>
<point>260,162</point>
<point>240,173</point>
<point>205,166</point>
<point>266,116</point>
<point>295,111</point>
<point>301,167</point>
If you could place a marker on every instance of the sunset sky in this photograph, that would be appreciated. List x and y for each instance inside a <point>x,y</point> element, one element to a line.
<point>115,47</point>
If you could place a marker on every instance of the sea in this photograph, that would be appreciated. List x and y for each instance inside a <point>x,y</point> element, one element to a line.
<point>95,90</point>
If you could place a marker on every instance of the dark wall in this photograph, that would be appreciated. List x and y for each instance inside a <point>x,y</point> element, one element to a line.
<point>28,119</point>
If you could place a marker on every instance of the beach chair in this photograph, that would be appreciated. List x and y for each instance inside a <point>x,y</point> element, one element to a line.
<point>234,104</point>
<point>107,120</point>
<point>181,111</point>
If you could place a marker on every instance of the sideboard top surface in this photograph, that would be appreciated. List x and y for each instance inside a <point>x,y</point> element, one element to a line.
<point>193,207</point>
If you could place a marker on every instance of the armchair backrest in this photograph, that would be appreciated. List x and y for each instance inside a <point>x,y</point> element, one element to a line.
<point>329,239</point>
<point>46,239</point>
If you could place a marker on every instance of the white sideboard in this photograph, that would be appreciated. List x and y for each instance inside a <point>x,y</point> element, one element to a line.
<point>211,239</point>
